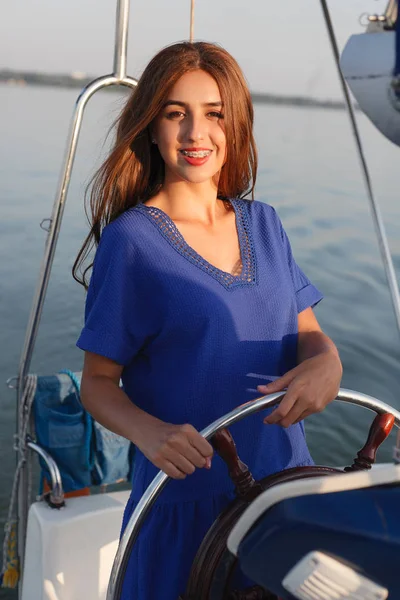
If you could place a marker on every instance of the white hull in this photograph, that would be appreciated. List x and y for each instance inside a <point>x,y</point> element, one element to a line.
<point>367,65</point>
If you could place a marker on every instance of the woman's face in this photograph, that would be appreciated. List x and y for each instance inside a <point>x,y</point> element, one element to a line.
<point>189,130</point>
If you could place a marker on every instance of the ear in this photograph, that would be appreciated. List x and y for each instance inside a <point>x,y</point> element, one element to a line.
<point>152,135</point>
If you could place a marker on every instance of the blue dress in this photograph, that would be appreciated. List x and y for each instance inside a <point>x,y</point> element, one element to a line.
<point>195,342</point>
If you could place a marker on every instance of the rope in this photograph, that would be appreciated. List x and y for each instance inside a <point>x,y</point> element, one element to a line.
<point>10,570</point>
<point>74,380</point>
<point>191,22</point>
<point>380,228</point>
<point>376,214</point>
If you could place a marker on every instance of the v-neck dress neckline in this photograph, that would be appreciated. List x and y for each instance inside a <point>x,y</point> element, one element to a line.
<point>171,233</point>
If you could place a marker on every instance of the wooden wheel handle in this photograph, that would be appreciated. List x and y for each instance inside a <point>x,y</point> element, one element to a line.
<point>246,488</point>
<point>378,432</point>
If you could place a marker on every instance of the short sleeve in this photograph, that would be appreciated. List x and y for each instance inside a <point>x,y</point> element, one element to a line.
<point>306,293</point>
<point>115,326</point>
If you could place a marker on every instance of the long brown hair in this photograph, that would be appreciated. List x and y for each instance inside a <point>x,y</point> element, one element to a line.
<point>134,171</point>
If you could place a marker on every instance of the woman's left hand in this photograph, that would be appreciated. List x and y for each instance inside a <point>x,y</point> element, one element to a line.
<point>311,385</point>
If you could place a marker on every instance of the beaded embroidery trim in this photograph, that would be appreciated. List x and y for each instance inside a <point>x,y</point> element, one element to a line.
<point>172,234</point>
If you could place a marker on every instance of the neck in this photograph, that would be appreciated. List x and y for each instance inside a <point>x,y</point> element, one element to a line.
<point>191,202</point>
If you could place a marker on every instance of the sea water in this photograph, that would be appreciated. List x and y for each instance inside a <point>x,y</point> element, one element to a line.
<point>308,170</point>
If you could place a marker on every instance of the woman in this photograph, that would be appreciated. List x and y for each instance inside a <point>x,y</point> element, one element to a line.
<point>196,302</point>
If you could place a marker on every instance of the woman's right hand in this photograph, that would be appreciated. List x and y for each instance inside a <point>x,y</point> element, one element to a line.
<point>175,449</point>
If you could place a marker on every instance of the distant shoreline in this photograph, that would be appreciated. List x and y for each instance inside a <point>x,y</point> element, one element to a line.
<point>80,80</point>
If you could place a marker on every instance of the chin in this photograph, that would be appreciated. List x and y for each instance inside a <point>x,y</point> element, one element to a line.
<point>197,175</point>
<point>197,179</point>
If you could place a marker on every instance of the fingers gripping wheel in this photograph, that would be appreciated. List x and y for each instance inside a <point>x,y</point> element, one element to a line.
<point>214,566</point>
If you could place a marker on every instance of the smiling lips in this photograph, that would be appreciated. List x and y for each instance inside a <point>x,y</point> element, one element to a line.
<point>196,156</point>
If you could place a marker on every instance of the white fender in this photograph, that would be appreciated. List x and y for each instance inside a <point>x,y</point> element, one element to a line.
<point>367,64</point>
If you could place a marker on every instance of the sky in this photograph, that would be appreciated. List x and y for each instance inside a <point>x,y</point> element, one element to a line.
<point>282,46</point>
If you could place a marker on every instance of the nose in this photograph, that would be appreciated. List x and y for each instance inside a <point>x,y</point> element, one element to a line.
<point>196,128</point>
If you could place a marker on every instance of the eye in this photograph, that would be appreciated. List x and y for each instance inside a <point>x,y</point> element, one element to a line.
<point>176,114</point>
<point>216,115</point>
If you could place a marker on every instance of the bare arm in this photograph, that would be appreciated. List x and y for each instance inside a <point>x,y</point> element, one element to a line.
<point>176,449</point>
<point>311,339</point>
<point>107,402</point>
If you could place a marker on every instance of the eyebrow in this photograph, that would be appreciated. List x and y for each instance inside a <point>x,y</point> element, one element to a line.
<point>178,103</point>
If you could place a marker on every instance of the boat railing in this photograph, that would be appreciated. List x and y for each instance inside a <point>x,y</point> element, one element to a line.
<point>56,494</point>
<point>117,78</point>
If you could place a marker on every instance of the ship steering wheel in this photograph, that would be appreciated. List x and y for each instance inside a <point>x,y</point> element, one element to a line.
<point>214,566</point>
